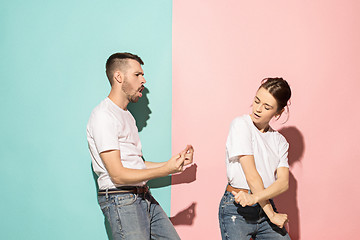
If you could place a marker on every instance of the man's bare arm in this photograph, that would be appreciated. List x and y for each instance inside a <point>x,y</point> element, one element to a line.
<point>121,175</point>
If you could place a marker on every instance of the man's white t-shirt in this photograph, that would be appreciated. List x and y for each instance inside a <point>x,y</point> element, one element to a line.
<point>112,128</point>
<point>270,151</point>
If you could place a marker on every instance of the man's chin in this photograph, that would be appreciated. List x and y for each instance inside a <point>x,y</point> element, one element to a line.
<point>134,100</point>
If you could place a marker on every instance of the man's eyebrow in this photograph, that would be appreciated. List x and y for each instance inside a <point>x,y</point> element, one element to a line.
<point>140,72</point>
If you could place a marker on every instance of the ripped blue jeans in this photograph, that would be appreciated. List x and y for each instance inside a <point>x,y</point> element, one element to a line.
<point>243,223</point>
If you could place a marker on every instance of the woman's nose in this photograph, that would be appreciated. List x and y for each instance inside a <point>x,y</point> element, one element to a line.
<point>258,108</point>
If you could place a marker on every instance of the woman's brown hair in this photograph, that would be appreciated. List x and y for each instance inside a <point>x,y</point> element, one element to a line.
<point>279,89</point>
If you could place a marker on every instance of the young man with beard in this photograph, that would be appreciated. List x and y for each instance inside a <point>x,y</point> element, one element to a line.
<point>115,149</point>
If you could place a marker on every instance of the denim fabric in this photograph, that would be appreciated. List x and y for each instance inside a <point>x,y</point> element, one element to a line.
<point>136,217</point>
<point>243,223</point>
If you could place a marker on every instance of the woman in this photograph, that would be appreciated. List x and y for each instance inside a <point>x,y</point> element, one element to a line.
<point>257,168</point>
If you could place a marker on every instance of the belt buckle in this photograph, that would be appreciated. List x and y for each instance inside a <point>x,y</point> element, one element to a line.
<point>142,190</point>
<point>145,189</point>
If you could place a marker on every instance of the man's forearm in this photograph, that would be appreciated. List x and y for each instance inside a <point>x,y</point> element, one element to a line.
<point>133,176</point>
<point>121,175</point>
<point>154,164</point>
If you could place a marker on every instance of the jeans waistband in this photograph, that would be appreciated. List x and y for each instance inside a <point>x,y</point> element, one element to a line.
<point>125,189</point>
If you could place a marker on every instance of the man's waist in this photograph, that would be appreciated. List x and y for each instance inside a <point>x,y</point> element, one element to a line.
<point>125,189</point>
<point>104,182</point>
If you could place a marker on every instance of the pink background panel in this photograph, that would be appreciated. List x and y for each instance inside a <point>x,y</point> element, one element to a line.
<point>221,51</point>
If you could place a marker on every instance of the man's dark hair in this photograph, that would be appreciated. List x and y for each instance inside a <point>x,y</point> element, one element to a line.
<point>118,61</point>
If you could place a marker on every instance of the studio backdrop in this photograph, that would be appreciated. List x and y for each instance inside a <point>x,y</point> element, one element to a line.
<point>204,61</point>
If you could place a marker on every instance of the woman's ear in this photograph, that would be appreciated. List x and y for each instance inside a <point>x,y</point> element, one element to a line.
<point>278,114</point>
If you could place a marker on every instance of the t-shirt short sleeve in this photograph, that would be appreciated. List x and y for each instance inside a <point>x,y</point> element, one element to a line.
<point>104,132</point>
<point>239,141</point>
<point>283,152</point>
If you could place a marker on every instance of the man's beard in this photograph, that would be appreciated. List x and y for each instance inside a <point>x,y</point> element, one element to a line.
<point>131,97</point>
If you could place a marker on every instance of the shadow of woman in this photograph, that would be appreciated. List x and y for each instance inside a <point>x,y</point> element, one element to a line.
<point>287,202</point>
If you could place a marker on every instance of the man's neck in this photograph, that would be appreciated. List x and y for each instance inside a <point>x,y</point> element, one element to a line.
<point>118,99</point>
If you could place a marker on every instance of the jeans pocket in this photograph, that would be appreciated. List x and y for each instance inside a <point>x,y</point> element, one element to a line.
<point>103,203</point>
<point>125,199</point>
<point>227,198</point>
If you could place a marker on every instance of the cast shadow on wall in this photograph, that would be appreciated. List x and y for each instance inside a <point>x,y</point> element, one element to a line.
<point>141,113</point>
<point>141,110</point>
<point>287,202</point>
<point>186,216</point>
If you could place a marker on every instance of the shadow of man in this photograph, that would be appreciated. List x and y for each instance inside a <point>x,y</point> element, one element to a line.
<point>140,110</point>
<point>185,217</point>
<point>287,202</point>
<point>187,176</point>
<point>141,113</point>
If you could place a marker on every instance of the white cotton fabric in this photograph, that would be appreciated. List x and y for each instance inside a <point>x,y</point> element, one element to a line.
<point>270,151</point>
<point>112,128</point>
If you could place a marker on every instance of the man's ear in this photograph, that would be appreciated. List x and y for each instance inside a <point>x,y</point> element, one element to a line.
<point>118,76</point>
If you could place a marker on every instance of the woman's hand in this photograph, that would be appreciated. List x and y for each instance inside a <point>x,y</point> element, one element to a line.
<point>245,199</point>
<point>279,219</point>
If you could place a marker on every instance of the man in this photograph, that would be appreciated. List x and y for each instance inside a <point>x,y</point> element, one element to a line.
<point>115,149</point>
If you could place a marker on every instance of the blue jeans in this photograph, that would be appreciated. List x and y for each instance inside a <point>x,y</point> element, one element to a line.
<point>243,223</point>
<point>136,217</point>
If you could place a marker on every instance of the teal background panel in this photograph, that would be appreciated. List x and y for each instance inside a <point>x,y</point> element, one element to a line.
<point>52,75</point>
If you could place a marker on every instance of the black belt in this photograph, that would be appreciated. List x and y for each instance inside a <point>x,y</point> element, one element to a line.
<point>125,189</point>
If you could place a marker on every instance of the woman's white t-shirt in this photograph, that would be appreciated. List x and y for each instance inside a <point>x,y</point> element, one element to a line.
<point>270,151</point>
